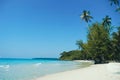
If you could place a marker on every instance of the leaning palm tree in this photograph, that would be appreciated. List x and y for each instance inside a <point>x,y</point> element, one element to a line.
<point>86,16</point>
<point>107,23</point>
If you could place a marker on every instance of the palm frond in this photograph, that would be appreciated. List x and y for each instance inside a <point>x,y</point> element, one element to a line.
<point>86,16</point>
<point>118,9</point>
<point>115,2</point>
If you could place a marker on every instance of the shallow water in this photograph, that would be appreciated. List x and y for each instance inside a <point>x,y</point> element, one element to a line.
<point>29,69</point>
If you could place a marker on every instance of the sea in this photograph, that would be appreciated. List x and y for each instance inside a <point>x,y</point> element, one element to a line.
<point>30,69</point>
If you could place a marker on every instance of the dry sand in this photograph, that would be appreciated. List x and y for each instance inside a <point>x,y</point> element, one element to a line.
<point>94,72</point>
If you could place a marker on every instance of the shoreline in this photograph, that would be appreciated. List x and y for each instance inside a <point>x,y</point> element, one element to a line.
<point>93,72</point>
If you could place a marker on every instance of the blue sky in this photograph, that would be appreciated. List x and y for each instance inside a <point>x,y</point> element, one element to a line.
<point>45,28</point>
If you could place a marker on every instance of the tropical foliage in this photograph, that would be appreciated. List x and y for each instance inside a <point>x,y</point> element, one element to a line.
<point>116,45</point>
<point>86,16</point>
<point>116,3</point>
<point>101,49</point>
<point>71,55</point>
<point>101,45</point>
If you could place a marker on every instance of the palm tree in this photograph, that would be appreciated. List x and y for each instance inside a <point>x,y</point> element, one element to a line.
<point>115,2</point>
<point>118,9</point>
<point>86,16</point>
<point>107,23</point>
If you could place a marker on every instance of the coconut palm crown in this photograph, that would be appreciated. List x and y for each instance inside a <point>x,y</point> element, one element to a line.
<point>106,21</point>
<point>115,2</point>
<point>86,16</point>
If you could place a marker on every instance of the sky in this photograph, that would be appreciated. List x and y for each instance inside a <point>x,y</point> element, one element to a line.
<point>46,28</point>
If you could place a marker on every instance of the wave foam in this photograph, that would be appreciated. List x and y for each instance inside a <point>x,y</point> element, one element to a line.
<point>38,64</point>
<point>4,66</point>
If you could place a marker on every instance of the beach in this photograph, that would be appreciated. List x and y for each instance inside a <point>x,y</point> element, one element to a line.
<point>94,72</point>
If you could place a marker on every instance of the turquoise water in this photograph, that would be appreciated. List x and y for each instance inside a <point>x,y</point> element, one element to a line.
<point>30,69</point>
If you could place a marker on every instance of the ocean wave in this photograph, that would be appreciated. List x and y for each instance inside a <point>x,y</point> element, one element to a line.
<point>38,64</point>
<point>4,66</point>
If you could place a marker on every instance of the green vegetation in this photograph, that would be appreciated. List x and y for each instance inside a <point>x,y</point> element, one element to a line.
<point>71,55</point>
<point>86,16</point>
<point>102,45</point>
<point>116,45</point>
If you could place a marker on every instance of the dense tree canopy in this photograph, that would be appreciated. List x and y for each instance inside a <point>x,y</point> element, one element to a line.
<point>116,45</point>
<point>99,47</point>
<point>71,55</point>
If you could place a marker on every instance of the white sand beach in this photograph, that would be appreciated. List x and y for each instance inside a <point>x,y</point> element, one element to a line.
<point>94,72</point>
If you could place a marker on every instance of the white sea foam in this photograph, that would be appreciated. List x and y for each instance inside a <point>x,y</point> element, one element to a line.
<point>4,66</point>
<point>7,66</point>
<point>38,64</point>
